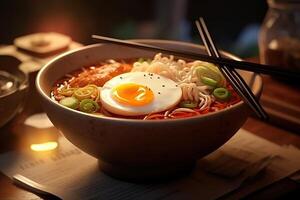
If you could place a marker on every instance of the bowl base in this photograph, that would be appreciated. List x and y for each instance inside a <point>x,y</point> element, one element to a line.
<point>146,174</point>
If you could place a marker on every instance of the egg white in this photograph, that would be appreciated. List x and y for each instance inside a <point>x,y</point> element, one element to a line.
<point>167,94</point>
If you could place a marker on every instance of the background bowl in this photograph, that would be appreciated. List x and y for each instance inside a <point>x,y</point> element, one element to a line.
<point>136,149</point>
<point>12,102</point>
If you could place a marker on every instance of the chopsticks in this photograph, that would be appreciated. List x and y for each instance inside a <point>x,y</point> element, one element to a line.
<point>254,67</point>
<point>237,82</point>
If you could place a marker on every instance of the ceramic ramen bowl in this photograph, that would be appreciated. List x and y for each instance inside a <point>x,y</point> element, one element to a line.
<point>14,86</point>
<point>139,149</point>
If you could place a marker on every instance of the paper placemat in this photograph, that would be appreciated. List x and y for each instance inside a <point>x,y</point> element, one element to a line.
<point>73,174</point>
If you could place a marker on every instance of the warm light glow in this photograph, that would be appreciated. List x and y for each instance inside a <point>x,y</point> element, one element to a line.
<point>47,146</point>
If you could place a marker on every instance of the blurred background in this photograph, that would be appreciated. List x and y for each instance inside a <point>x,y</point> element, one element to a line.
<point>233,23</point>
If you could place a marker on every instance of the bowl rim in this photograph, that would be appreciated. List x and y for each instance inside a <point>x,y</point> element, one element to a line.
<point>140,121</point>
<point>22,85</point>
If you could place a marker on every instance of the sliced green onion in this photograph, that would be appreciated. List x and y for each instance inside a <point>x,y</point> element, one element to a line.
<point>210,71</point>
<point>83,93</point>
<point>203,71</point>
<point>66,91</point>
<point>221,94</point>
<point>70,102</point>
<point>88,106</point>
<point>222,82</point>
<point>140,60</point>
<point>188,104</point>
<point>209,81</point>
<point>86,92</point>
<point>211,67</point>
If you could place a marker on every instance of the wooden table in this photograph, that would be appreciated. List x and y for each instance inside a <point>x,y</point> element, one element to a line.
<point>14,136</point>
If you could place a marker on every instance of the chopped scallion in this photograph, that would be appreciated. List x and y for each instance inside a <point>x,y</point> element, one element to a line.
<point>140,60</point>
<point>88,106</point>
<point>209,81</point>
<point>221,94</point>
<point>86,92</point>
<point>188,104</point>
<point>70,102</point>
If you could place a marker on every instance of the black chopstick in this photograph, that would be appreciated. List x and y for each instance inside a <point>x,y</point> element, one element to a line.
<point>231,75</point>
<point>254,67</point>
<point>212,51</point>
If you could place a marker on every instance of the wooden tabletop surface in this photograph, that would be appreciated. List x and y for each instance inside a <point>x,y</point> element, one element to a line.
<point>15,136</point>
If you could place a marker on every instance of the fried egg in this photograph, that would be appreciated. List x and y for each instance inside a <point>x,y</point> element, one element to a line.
<point>139,93</point>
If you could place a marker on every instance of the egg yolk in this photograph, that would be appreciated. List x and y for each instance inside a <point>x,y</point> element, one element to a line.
<point>133,94</point>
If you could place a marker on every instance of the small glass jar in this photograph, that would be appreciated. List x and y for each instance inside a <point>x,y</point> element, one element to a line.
<point>279,38</point>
